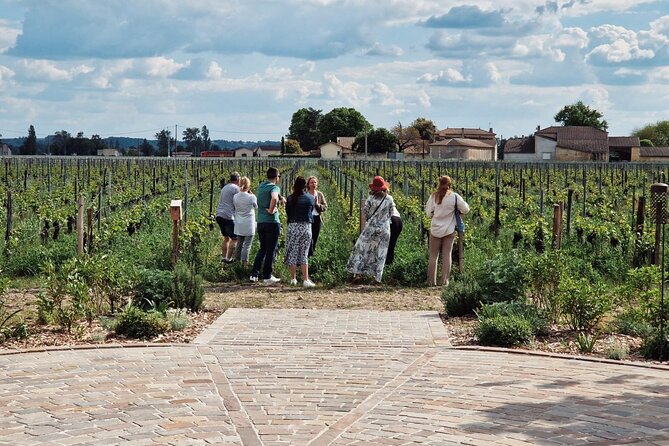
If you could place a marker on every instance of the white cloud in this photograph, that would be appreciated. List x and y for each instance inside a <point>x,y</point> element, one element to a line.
<point>621,45</point>
<point>42,70</point>
<point>378,49</point>
<point>160,66</point>
<point>347,92</point>
<point>448,76</point>
<point>660,75</point>
<point>382,94</point>
<point>8,33</point>
<point>424,99</point>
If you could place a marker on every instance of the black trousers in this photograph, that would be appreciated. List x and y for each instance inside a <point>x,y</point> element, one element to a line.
<point>268,235</point>
<point>315,231</point>
<point>395,229</point>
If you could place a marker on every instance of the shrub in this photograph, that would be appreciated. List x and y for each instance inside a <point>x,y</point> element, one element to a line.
<point>187,289</point>
<point>523,310</point>
<point>138,324</point>
<point>617,351</point>
<point>632,322</point>
<point>586,342</point>
<point>656,346</point>
<point>502,278</point>
<point>583,304</point>
<point>461,296</point>
<point>178,319</point>
<point>153,287</point>
<point>503,331</point>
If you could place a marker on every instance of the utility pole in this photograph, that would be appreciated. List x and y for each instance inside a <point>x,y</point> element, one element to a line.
<point>176,136</point>
<point>365,142</point>
<point>169,143</point>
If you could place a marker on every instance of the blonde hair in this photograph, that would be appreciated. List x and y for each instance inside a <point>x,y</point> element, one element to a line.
<point>444,185</point>
<point>313,177</point>
<point>244,184</point>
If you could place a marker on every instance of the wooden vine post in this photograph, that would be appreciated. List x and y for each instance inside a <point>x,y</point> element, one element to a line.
<point>80,225</point>
<point>10,216</point>
<point>176,214</point>
<point>558,210</point>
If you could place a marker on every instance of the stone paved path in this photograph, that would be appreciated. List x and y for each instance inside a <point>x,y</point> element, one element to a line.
<point>307,377</point>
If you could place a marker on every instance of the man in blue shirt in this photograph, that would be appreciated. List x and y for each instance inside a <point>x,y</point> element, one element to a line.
<point>269,227</point>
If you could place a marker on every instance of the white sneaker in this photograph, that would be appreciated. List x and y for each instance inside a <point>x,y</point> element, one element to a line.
<point>271,280</point>
<point>293,281</point>
<point>253,278</point>
<point>308,284</point>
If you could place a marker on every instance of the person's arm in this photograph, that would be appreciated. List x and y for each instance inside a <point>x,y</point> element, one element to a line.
<point>273,202</point>
<point>429,206</point>
<point>323,203</point>
<point>463,207</point>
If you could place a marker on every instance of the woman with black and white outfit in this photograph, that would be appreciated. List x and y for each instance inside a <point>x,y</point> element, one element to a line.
<point>320,205</point>
<point>299,206</point>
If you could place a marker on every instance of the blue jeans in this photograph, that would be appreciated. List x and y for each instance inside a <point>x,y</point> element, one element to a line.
<point>268,236</point>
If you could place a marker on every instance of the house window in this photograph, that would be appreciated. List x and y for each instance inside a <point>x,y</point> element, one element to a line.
<point>546,156</point>
<point>338,153</point>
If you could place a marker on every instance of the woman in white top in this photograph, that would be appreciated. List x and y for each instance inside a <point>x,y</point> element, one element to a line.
<point>319,207</point>
<point>441,207</point>
<point>245,219</point>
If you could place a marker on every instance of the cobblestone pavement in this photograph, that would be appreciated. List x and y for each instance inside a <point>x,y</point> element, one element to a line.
<point>307,377</point>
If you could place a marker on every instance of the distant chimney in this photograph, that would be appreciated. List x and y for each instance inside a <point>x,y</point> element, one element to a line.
<point>463,132</point>
<point>490,130</point>
<point>538,128</point>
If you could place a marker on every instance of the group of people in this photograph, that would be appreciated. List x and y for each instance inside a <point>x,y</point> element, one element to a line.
<point>373,250</point>
<point>236,217</point>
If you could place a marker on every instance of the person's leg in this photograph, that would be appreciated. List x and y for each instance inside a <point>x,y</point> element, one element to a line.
<point>238,247</point>
<point>446,248</point>
<point>315,232</point>
<point>246,248</point>
<point>273,230</point>
<point>305,272</point>
<point>232,245</point>
<point>434,246</point>
<point>263,231</point>
<point>395,229</point>
<point>293,272</point>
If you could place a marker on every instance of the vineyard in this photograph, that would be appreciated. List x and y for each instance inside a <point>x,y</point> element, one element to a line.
<point>569,245</point>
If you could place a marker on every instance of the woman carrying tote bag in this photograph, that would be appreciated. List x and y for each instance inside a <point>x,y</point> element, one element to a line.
<point>442,207</point>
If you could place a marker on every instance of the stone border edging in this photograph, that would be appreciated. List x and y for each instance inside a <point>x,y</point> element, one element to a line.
<point>644,365</point>
<point>58,348</point>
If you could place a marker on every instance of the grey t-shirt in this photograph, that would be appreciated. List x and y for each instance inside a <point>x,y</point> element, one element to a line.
<point>225,208</point>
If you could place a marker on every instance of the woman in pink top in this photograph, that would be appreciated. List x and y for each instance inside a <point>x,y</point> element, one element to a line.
<point>441,207</point>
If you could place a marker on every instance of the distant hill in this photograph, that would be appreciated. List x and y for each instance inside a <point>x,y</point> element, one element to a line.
<point>123,142</point>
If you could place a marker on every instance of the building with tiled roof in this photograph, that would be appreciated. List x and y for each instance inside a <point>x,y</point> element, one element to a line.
<point>465,143</point>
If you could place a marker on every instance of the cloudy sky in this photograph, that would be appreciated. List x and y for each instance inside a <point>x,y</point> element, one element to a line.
<point>243,67</point>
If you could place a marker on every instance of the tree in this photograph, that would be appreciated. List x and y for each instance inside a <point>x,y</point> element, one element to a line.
<point>292,146</point>
<point>145,148</point>
<point>341,122</point>
<point>206,142</point>
<point>426,128</point>
<point>60,143</point>
<point>657,134</point>
<point>580,114</point>
<point>378,141</point>
<point>283,145</point>
<point>406,136</point>
<point>304,127</point>
<point>193,140</point>
<point>164,142</point>
<point>29,146</point>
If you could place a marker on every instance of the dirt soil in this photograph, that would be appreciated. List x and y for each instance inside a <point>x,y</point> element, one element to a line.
<point>223,296</point>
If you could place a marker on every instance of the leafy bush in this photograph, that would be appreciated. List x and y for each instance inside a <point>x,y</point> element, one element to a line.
<point>582,303</point>
<point>503,331</point>
<point>461,296</point>
<point>656,346</point>
<point>178,319</point>
<point>617,351</point>
<point>523,310</point>
<point>502,278</point>
<point>153,287</point>
<point>138,324</point>
<point>586,342</point>
<point>187,289</point>
<point>543,274</point>
<point>632,322</point>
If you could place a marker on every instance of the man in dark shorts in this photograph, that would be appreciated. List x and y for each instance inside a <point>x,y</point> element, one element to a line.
<point>225,217</point>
